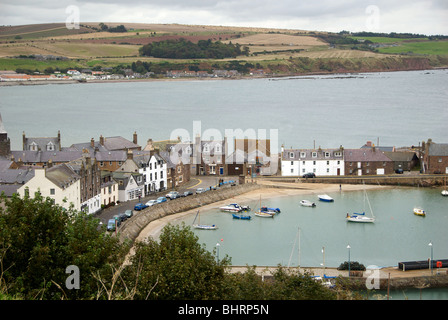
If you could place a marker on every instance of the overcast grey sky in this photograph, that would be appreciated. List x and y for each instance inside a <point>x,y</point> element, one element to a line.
<point>415,16</point>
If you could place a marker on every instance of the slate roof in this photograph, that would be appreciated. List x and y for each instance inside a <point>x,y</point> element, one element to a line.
<point>438,149</point>
<point>364,155</point>
<point>28,156</point>
<point>298,154</point>
<point>61,175</point>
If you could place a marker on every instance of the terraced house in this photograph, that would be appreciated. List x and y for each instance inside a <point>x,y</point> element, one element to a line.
<point>321,162</point>
<point>367,161</point>
<point>435,157</point>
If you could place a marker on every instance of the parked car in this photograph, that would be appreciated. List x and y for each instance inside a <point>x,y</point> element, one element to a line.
<point>151,203</point>
<point>309,175</point>
<point>200,190</point>
<point>111,225</point>
<point>128,213</point>
<point>399,171</point>
<point>122,217</point>
<point>161,199</point>
<point>187,193</point>
<point>172,195</point>
<point>140,206</point>
<point>117,218</point>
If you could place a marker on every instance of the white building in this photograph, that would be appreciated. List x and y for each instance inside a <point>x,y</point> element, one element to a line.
<point>60,183</point>
<point>321,162</point>
<point>130,185</point>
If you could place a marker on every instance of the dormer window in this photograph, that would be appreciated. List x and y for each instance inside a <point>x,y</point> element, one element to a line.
<point>218,148</point>
<point>33,146</point>
<point>314,155</point>
<point>50,146</point>
<point>302,154</point>
<point>291,155</point>
<point>327,154</point>
<point>206,148</point>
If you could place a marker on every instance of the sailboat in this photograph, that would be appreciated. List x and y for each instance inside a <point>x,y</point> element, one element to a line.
<point>361,217</point>
<point>202,226</point>
<point>264,212</point>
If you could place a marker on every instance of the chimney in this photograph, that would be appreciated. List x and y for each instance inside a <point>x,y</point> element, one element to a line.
<point>130,155</point>
<point>24,141</point>
<point>369,144</point>
<point>59,140</point>
<point>373,147</point>
<point>101,140</point>
<point>49,163</point>
<point>92,143</point>
<point>135,138</point>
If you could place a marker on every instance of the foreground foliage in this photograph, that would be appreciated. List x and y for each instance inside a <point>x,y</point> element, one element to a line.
<point>39,239</point>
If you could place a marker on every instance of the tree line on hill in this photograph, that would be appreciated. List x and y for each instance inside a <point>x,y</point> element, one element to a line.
<point>39,240</point>
<point>185,49</point>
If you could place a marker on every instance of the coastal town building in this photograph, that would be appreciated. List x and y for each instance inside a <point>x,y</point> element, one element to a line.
<point>59,183</point>
<point>367,161</point>
<point>177,173</point>
<point>321,162</point>
<point>109,189</point>
<point>42,144</point>
<point>5,143</point>
<point>434,157</point>
<point>130,185</point>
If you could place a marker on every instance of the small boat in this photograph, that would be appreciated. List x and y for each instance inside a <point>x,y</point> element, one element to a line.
<point>419,212</point>
<point>234,207</point>
<point>357,217</point>
<point>203,226</point>
<point>325,198</point>
<point>264,214</point>
<point>270,210</point>
<point>241,216</point>
<point>307,203</point>
<point>361,217</point>
<point>445,193</point>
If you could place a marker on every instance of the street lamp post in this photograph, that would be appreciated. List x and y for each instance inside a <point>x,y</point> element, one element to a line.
<point>430,261</point>
<point>348,247</point>
<point>217,253</point>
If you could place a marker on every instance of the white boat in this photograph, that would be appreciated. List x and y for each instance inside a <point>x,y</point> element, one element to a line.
<point>419,212</point>
<point>307,203</point>
<point>325,198</point>
<point>264,214</point>
<point>233,207</point>
<point>361,217</point>
<point>203,226</point>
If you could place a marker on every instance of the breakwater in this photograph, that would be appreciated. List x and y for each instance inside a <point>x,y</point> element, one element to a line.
<point>419,180</point>
<point>132,228</point>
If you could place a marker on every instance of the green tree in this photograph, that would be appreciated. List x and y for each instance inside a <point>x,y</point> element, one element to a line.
<point>39,240</point>
<point>175,267</point>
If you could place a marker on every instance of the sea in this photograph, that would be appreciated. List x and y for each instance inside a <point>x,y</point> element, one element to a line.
<point>388,108</point>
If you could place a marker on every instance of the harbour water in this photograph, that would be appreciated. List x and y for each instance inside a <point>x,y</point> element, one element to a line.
<point>396,235</point>
<point>396,108</point>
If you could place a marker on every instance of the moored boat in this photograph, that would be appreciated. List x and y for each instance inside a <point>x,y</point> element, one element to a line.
<point>264,214</point>
<point>202,226</point>
<point>359,218</point>
<point>241,216</point>
<point>419,212</point>
<point>233,207</point>
<point>307,203</point>
<point>325,198</point>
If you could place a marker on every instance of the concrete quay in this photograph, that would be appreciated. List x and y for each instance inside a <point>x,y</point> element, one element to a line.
<point>391,277</point>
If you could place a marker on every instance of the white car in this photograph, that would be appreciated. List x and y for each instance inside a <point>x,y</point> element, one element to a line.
<point>151,203</point>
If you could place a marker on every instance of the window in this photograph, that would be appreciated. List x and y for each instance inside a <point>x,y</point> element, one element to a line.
<point>337,154</point>
<point>314,154</point>
<point>161,174</point>
<point>52,191</point>
<point>302,154</point>
<point>50,146</point>
<point>292,170</point>
<point>328,163</point>
<point>351,163</point>
<point>303,162</point>
<point>101,163</point>
<point>440,159</point>
<point>303,170</point>
<point>292,163</point>
<point>328,170</point>
<point>291,154</point>
<point>327,154</point>
<point>314,163</point>
<point>367,164</point>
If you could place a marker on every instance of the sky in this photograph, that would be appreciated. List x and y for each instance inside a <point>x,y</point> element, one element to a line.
<point>415,16</point>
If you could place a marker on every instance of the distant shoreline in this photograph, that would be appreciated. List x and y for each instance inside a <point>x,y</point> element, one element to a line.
<point>279,76</point>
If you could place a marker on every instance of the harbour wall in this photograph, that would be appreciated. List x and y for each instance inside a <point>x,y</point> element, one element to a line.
<point>132,227</point>
<point>418,180</point>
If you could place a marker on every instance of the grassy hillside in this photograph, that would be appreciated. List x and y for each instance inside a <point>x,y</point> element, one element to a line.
<point>279,50</point>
